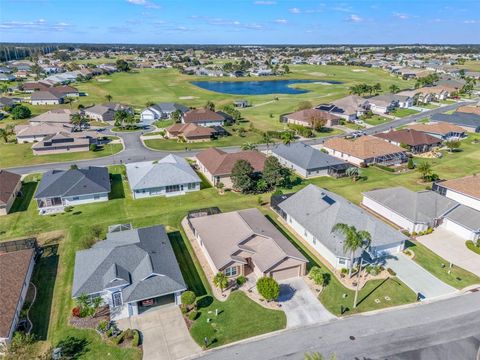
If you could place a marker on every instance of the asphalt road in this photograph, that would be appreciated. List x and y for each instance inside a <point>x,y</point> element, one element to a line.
<point>448,329</point>
<point>135,151</point>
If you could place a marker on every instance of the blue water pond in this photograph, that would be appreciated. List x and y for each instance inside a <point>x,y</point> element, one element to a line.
<point>258,87</point>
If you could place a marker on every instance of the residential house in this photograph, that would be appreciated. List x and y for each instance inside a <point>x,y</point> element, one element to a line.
<point>106,112</point>
<point>467,121</point>
<point>441,130</point>
<point>190,132</point>
<point>349,108</point>
<point>203,117</point>
<point>417,96</point>
<point>46,97</point>
<point>410,210</point>
<point>169,176</point>
<point>309,117</point>
<point>63,142</point>
<point>217,165</point>
<point>241,103</point>
<point>383,104</point>
<point>437,93</point>
<point>39,131</point>
<point>415,141</point>
<point>132,270</point>
<point>307,161</point>
<point>7,102</point>
<point>245,243</point>
<point>16,269</point>
<point>10,186</point>
<point>313,212</point>
<point>30,87</point>
<point>160,111</point>
<point>55,116</point>
<point>365,150</point>
<point>464,190</point>
<point>60,188</point>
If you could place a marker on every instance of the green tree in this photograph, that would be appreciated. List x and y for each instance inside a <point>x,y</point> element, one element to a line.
<point>273,172</point>
<point>177,116</point>
<point>353,173</point>
<point>425,169</point>
<point>452,145</point>
<point>248,146</point>
<point>21,112</point>
<point>108,97</point>
<point>210,105</point>
<point>377,88</point>
<point>4,135</point>
<point>268,288</point>
<point>122,65</point>
<point>410,164</point>
<point>354,240</point>
<point>242,176</point>
<point>233,112</point>
<point>188,298</point>
<point>266,139</point>
<point>221,281</point>
<point>287,137</point>
<point>394,89</point>
<point>304,105</point>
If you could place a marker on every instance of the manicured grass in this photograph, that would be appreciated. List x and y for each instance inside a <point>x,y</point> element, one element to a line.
<point>402,112</point>
<point>353,126</point>
<point>338,299</point>
<point>428,106</point>
<point>14,155</point>
<point>472,246</point>
<point>376,120</point>
<point>458,277</point>
<point>238,318</point>
<point>161,124</point>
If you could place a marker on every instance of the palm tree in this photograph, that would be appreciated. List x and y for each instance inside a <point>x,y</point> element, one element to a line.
<point>452,145</point>
<point>424,168</point>
<point>353,173</point>
<point>177,116</point>
<point>248,146</point>
<point>394,89</point>
<point>108,97</point>
<point>210,105</point>
<point>287,137</point>
<point>267,139</point>
<point>4,135</point>
<point>221,281</point>
<point>354,240</point>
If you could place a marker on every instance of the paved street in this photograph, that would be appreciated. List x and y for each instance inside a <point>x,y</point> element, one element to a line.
<point>300,304</point>
<point>135,151</point>
<point>417,278</point>
<point>449,324</point>
<point>452,248</point>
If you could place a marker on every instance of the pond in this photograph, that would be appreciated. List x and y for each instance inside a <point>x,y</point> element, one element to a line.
<point>259,87</point>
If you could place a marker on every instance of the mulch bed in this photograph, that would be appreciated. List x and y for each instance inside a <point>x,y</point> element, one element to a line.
<point>90,322</point>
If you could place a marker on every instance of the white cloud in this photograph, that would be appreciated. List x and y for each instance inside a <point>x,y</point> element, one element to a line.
<point>294,10</point>
<point>264,2</point>
<point>281,21</point>
<point>354,18</point>
<point>37,25</point>
<point>145,3</point>
<point>470,22</point>
<point>137,2</point>
<point>401,16</point>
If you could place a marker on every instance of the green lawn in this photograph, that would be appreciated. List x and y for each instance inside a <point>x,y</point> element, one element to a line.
<point>428,106</point>
<point>458,277</point>
<point>161,124</point>
<point>376,120</point>
<point>14,155</point>
<point>402,112</point>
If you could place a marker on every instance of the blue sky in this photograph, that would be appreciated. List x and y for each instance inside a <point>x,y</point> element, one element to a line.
<point>240,21</point>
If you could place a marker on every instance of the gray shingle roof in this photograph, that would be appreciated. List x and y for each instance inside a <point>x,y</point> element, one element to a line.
<point>465,216</point>
<point>73,182</point>
<point>318,210</point>
<point>459,118</point>
<point>418,207</point>
<point>305,156</point>
<point>142,259</point>
<point>171,170</point>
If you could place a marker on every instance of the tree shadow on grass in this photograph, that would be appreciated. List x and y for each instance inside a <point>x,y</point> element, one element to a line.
<point>187,266</point>
<point>43,278</point>
<point>118,191</point>
<point>23,200</point>
<point>204,301</point>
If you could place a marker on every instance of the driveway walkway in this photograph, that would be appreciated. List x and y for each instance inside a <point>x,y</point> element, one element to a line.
<point>300,304</point>
<point>417,278</point>
<point>164,334</point>
<point>452,248</point>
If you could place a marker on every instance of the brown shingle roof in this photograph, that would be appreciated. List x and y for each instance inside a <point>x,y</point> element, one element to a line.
<point>469,185</point>
<point>190,131</point>
<point>409,137</point>
<point>308,115</point>
<point>13,267</point>
<point>219,162</point>
<point>364,147</point>
<point>8,183</point>
<point>200,115</point>
<point>469,109</point>
<point>440,127</point>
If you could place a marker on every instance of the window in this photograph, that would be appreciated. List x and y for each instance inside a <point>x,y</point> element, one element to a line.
<point>231,271</point>
<point>341,261</point>
<point>117,299</point>
<point>192,186</point>
<point>75,198</point>
<point>172,188</point>
<point>96,197</point>
<point>314,241</point>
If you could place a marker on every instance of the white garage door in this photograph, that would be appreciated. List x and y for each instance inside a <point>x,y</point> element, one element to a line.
<point>287,273</point>
<point>457,229</point>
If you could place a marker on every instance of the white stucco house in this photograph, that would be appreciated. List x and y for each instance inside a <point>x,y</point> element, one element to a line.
<point>169,176</point>
<point>160,111</point>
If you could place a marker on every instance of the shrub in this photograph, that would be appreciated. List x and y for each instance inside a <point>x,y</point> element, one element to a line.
<point>72,347</point>
<point>102,326</point>
<point>193,315</point>
<point>117,340</point>
<point>136,338</point>
<point>241,280</point>
<point>188,298</point>
<point>21,112</point>
<point>344,271</point>
<point>128,334</point>
<point>391,272</point>
<point>76,311</point>
<point>410,164</point>
<point>414,233</point>
<point>93,147</point>
<point>109,332</point>
<point>406,233</point>
<point>386,168</point>
<point>268,288</point>
<point>277,192</point>
<point>472,246</point>
<point>429,231</point>
<point>315,275</point>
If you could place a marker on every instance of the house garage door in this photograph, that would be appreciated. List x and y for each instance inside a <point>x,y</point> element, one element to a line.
<point>287,273</point>
<point>457,229</point>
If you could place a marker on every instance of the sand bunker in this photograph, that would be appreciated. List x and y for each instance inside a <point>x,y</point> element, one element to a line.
<point>104,80</point>
<point>359,70</point>
<point>317,74</point>
<point>188,97</point>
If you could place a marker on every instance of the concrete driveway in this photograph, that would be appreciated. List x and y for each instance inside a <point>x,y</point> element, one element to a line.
<point>417,278</point>
<point>164,334</point>
<point>300,304</point>
<point>452,248</point>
